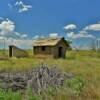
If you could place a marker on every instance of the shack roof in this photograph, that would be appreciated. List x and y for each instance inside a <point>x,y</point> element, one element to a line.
<point>47,41</point>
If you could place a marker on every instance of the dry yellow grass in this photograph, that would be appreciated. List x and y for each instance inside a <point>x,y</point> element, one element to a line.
<point>85,64</point>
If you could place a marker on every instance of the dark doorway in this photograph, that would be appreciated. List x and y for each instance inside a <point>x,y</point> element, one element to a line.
<point>60,52</point>
<point>10,51</point>
<point>43,48</point>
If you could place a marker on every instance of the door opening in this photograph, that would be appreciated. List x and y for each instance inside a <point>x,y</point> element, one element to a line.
<point>60,52</point>
<point>10,51</point>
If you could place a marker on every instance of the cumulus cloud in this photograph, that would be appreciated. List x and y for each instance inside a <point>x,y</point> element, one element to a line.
<point>22,7</point>
<point>53,35</point>
<point>24,36</point>
<point>18,3</point>
<point>36,37</point>
<point>93,27</point>
<point>70,34</point>
<point>17,34</point>
<point>6,27</point>
<point>70,27</point>
<point>7,30</point>
<point>83,32</point>
<point>73,35</point>
<point>83,36</point>
<point>21,43</point>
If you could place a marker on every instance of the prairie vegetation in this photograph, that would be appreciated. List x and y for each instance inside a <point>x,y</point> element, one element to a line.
<point>84,64</point>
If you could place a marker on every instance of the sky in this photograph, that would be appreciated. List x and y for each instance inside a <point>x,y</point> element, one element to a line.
<point>77,20</point>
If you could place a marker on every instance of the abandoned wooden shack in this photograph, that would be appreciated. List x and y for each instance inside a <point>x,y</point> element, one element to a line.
<point>17,52</point>
<point>50,47</point>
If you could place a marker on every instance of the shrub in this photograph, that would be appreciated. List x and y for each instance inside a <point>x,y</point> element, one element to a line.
<point>77,84</point>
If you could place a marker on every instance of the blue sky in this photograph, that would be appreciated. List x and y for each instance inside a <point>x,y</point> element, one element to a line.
<point>43,17</point>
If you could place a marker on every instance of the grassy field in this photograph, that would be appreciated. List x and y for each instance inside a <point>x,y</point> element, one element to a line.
<point>84,64</point>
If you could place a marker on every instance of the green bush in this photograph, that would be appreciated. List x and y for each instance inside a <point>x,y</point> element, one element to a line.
<point>77,85</point>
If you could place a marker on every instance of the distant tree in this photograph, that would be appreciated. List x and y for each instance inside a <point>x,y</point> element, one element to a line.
<point>69,42</point>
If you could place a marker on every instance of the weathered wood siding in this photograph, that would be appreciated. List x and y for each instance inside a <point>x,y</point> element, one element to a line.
<point>38,52</point>
<point>56,49</point>
<point>17,52</point>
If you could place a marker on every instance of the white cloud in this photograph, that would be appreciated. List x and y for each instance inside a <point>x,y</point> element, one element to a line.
<point>82,47</point>
<point>70,27</point>
<point>93,27</point>
<point>72,35</point>
<point>22,43</point>
<point>83,32</point>
<point>24,36</point>
<point>18,3</point>
<point>42,37</point>
<point>17,34</point>
<point>7,30</point>
<point>83,36</point>
<point>22,7</point>
<point>25,8</point>
<point>6,27</point>
<point>36,37</point>
<point>20,35</point>
<point>53,35</point>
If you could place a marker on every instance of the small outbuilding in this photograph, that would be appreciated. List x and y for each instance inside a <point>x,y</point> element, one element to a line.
<point>50,47</point>
<point>17,52</point>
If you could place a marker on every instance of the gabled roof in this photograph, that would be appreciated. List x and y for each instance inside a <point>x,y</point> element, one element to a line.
<point>47,42</point>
